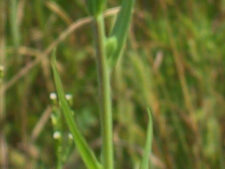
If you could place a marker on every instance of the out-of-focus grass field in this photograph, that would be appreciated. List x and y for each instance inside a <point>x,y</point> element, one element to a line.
<point>174,62</point>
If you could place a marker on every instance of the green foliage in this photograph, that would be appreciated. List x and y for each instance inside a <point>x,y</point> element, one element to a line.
<point>63,139</point>
<point>148,144</point>
<point>174,63</point>
<point>86,153</point>
<point>95,7</point>
<point>119,32</point>
<point>111,45</point>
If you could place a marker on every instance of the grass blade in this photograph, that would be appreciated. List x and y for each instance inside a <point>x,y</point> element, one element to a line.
<point>148,144</point>
<point>120,29</point>
<point>86,153</point>
<point>95,7</point>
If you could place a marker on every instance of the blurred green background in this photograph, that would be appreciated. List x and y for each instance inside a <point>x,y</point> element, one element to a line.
<point>174,62</point>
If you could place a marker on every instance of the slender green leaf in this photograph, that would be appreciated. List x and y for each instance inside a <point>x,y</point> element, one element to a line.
<point>82,146</point>
<point>95,7</point>
<point>120,29</point>
<point>148,144</point>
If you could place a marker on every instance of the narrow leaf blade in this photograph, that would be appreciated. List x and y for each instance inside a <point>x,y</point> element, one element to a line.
<point>86,153</point>
<point>120,29</point>
<point>95,7</point>
<point>148,144</point>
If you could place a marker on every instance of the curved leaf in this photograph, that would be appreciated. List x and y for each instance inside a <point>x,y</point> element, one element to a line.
<point>120,29</point>
<point>82,146</point>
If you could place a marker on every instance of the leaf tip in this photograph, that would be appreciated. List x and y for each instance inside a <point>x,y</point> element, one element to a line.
<point>149,111</point>
<point>53,57</point>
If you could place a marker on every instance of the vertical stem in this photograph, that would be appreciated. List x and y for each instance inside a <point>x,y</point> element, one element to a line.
<point>14,23</point>
<point>105,95</point>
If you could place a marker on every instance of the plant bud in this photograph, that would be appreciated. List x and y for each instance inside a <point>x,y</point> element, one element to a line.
<point>69,97</point>
<point>111,45</point>
<point>56,135</point>
<point>70,136</point>
<point>53,96</point>
<point>54,120</point>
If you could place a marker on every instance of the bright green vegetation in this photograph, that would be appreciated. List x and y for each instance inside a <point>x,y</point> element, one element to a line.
<point>171,58</point>
<point>105,65</point>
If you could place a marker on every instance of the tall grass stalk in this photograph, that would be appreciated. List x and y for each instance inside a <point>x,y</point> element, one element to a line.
<point>14,23</point>
<point>105,96</point>
<point>108,51</point>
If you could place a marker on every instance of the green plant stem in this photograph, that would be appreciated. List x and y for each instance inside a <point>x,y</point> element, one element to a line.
<point>14,23</point>
<point>105,94</point>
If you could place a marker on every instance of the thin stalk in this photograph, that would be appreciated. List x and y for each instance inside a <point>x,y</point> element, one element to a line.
<point>14,23</point>
<point>105,94</point>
